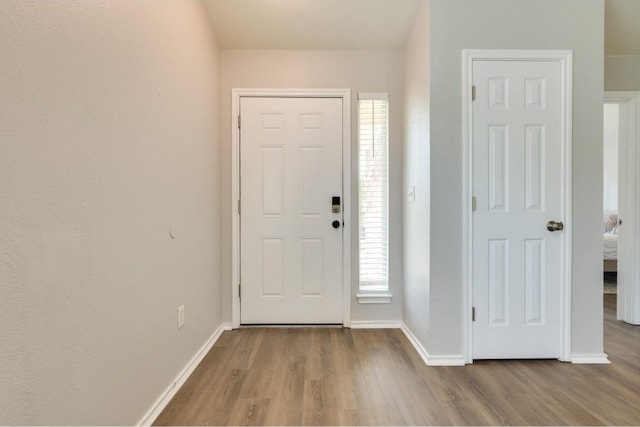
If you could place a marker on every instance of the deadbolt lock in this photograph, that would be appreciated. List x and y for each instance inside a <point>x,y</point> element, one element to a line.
<point>335,204</point>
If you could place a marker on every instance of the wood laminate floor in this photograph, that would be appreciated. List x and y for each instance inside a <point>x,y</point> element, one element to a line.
<point>313,376</point>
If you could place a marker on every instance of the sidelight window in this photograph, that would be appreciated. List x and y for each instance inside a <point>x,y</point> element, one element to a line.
<point>373,191</point>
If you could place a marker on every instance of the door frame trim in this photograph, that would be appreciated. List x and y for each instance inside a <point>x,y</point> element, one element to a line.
<point>345,95</point>
<point>565,58</point>
<point>629,293</point>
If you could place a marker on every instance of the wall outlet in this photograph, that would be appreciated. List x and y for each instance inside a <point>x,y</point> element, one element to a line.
<point>180,316</point>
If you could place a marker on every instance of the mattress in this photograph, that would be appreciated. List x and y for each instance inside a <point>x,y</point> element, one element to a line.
<point>610,246</point>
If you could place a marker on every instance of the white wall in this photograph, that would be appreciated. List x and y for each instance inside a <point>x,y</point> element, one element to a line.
<point>610,157</point>
<point>108,134</point>
<point>360,71</point>
<point>514,24</point>
<point>622,72</point>
<point>417,177</point>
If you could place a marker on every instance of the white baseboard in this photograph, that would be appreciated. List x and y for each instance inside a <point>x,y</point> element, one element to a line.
<point>446,360</point>
<point>182,377</point>
<point>590,358</point>
<point>373,324</point>
<point>416,344</point>
<point>431,360</point>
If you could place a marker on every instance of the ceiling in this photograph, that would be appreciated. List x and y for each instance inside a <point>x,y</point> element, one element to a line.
<point>311,24</point>
<point>362,24</point>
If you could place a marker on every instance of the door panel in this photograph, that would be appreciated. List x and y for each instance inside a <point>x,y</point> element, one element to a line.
<point>518,185</point>
<point>291,167</point>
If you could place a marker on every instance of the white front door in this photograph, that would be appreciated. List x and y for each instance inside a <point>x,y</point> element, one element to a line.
<point>291,240</point>
<point>518,184</point>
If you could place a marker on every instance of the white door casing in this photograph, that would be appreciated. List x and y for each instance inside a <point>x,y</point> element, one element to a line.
<point>291,261</point>
<point>628,292</point>
<point>518,147</point>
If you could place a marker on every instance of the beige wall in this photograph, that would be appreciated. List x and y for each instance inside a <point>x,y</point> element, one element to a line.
<point>360,71</point>
<point>108,135</point>
<point>417,176</point>
<point>622,72</point>
<point>514,24</point>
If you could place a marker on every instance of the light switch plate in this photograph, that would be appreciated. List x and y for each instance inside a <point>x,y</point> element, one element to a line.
<point>180,316</point>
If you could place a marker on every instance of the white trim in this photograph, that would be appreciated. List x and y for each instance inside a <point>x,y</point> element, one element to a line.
<point>375,324</point>
<point>416,344</point>
<point>565,58</point>
<point>182,377</point>
<point>629,209</point>
<point>590,359</point>
<point>374,298</point>
<point>345,94</point>
<point>440,360</point>
<point>446,360</point>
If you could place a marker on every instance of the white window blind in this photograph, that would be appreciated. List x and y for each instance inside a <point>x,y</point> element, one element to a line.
<point>373,190</point>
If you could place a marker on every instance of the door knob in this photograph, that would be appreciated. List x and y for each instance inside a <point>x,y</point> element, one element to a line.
<point>335,224</point>
<point>555,226</point>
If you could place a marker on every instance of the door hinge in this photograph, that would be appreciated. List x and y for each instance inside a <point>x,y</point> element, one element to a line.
<point>238,121</point>
<point>473,314</point>
<point>238,206</point>
<point>473,204</point>
<point>473,92</point>
<point>239,291</point>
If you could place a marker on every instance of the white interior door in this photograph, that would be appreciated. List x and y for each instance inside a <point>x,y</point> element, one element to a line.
<point>518,186</point>
<point>291,239</point>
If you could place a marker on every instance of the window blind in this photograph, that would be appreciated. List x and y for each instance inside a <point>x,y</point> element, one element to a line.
<point>373,190</point>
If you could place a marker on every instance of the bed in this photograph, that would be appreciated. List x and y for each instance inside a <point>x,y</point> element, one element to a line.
<point>610,242</point>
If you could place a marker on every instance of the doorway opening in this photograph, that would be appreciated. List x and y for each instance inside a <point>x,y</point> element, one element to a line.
<point>621,194</point>
<point>610,194</point>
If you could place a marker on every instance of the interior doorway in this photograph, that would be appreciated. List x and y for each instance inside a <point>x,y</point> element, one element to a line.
<point>621,219</point>
<point>611,232</point>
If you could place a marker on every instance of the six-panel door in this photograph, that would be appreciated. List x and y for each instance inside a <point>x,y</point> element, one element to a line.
<point>291,168</point>
<point>518,185</point>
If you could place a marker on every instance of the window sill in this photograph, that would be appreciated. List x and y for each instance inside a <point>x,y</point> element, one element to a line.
<point>374,298</point>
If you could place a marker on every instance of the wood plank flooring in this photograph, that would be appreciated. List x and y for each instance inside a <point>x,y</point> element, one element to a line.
<point>333,376</point>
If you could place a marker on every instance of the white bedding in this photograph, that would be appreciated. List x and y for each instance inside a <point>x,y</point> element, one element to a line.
<point>610,246</point>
